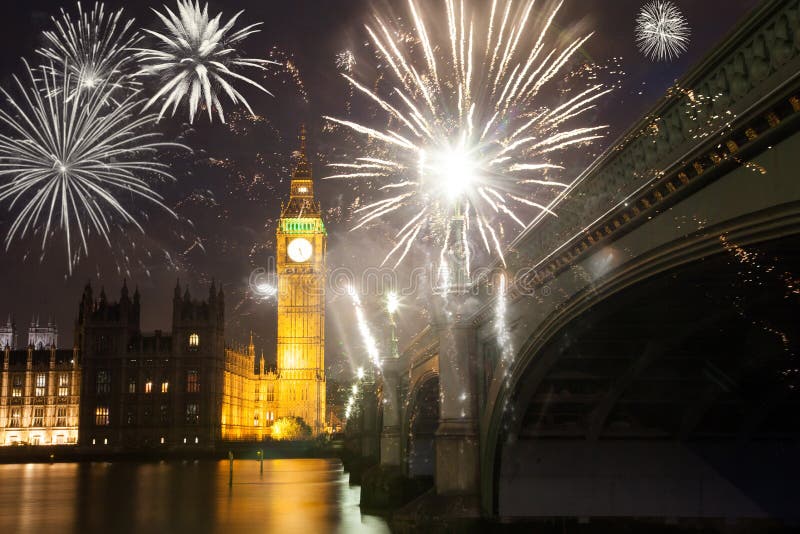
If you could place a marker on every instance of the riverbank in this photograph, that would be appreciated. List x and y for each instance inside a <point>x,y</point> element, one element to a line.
<point>240,450</point>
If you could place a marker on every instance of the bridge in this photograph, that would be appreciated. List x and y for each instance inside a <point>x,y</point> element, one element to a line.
<point>636,357</point>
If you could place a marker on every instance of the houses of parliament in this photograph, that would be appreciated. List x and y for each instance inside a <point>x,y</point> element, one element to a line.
<point>122,389</point>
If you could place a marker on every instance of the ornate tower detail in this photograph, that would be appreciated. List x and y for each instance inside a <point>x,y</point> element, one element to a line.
<point>8,335</point>
<point>300,249</point>
<point>42,337</point>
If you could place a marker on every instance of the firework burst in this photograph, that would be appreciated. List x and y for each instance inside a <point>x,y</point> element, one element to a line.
<point>69,158</point>
<point>662,33</point>
<point>468,132</point>
<point>198,57</point>
<point>94,48</point>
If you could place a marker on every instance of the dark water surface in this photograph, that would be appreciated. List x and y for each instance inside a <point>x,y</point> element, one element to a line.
<point>297,495</point>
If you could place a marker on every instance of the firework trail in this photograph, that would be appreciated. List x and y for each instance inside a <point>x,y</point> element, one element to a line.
<point>467,130</point>
<point>363,327</point>
<point>197,55</point>
<point>662,33</point>
<point>68,158</point>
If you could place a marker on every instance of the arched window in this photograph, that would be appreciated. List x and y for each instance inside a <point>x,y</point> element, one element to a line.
<point>194,340</point>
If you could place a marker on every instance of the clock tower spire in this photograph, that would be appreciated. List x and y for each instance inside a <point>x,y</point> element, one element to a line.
<point>300,248</point>
<point>301,194</point>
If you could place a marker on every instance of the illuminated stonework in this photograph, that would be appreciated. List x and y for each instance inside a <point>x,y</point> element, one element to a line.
<point>39,394</point>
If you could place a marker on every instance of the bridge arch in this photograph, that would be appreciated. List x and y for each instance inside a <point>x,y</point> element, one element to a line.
<point>561,410</point>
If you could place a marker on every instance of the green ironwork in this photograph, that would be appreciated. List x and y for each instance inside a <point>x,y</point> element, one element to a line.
<point>303,226</point>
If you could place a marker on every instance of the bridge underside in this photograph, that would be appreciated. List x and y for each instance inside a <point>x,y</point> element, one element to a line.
<point>675,398</point>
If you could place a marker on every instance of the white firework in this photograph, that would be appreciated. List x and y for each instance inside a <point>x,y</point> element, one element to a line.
<point>196,58</point>
<point>662,33</point>
<point>94,48</point>
<point>66,159</point>
<point>468,133</point>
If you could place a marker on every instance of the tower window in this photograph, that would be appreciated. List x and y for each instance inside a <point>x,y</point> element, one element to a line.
<point>192,381</point>
<point>61,417</point>
<point>41,382</point>
<point>63,384</point>
<point>103,382</point>
<point>101,416</point>
<point>164,386</point>
<point>16,416</point>
<point>192,413</point>
<point>38,416</point>
<point>17,389</point>
<point>194,340</point>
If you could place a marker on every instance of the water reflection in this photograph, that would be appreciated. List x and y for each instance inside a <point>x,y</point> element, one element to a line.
<point>310,495</point>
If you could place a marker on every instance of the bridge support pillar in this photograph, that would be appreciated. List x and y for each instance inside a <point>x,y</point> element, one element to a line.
<point>390,434</point>
<point>369,429</point>
<point>457,441</point>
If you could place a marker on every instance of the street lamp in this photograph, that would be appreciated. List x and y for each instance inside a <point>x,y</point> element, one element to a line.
<point>392,305</point>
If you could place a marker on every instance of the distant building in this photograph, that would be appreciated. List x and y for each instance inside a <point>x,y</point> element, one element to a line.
<point>151,390</point>
<point>39,388</point>
<point>8,335</point>
<point>41,337</point>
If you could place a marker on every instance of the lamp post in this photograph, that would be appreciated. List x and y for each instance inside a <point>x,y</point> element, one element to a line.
<point>392,305</point>
<point>390,434</point>
<point>453,276</point>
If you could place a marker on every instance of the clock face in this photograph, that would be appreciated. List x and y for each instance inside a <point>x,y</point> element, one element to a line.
<point>299,249</point>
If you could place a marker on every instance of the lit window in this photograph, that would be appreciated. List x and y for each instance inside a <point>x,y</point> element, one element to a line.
<point>41,382</point>
<point>196,439</point>
<point>162,440</point>
<point>132,385</point>
<point>101,416</point>
<point>16,416</point>
<point>61,417</point>
<point>148,386</point>
<point>38,416</point>
<point>192,381</point>
<point>164,386</point>
<point>16,390</point>
<point>192,413</point>
<point>103,382</point>
<point>63,384</point>
<point>194,340</point>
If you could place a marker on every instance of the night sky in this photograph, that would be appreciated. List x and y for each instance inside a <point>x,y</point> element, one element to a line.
<point>231,187</point>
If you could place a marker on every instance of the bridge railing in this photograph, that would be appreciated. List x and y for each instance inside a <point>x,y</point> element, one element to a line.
<point>661,153</point>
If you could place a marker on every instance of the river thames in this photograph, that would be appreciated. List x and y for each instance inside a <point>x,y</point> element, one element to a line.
<point>292,495</point>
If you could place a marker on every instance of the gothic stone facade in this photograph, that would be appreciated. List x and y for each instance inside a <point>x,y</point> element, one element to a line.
<point>151,390</point>
<point>39,389</point>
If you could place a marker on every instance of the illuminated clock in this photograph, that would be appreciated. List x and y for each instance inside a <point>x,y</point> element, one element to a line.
<point>299,249</point>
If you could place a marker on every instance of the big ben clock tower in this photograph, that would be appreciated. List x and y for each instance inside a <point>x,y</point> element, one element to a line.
<point>300,243</point>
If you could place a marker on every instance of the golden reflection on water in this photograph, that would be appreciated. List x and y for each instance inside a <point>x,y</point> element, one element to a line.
<point>297,495</point>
